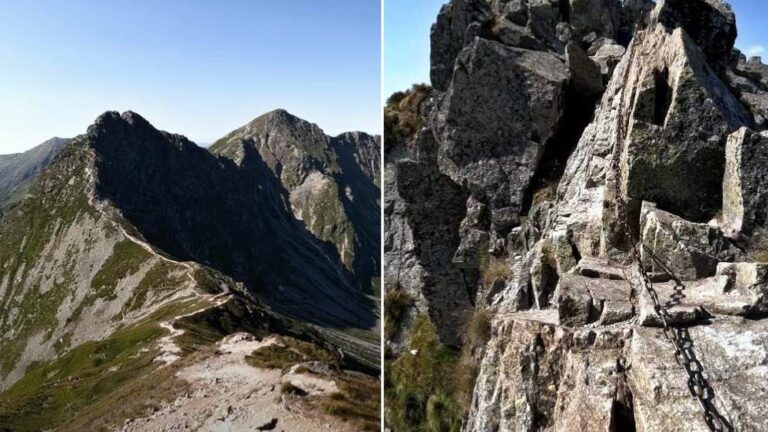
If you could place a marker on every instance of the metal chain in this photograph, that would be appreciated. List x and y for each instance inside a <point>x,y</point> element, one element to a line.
<point>680,337</point>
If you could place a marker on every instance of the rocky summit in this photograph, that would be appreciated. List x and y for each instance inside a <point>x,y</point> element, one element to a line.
<point>149,283</point>
<point>575,222</point>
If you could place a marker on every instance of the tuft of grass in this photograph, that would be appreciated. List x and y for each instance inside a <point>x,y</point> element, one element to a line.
<point>288,352</point>
<point>432,389</point>
<point>396,303</point>
<point>358,401</point>
<point>401,115</point>
<point>412,380</point>
<point>494,269</point>
<point>478,328</point>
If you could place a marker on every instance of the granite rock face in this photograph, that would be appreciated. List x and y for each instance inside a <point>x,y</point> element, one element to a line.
<point>745,197</point>
<point>710,23</point>
<point>571,134</point>
<point>492,142</point>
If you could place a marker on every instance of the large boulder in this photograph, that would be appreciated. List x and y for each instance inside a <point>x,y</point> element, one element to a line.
<point>602,17</point>
<point>583,300</point>
<point>745,197</point>
<point>710,23</point>
<point>682,114</point>
<point>536,375</point>
<point>495,119</point>
<point>689,250</point>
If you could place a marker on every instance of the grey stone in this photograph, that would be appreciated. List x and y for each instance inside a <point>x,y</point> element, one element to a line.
<point>690,250</point>
<point>745,198</point>
<point>512,34</point>
<point>602,17</point>
<point>732,353</point>
<point>582,300</point>
<point>447,36</point>
<point>710,23</point>
<point>586,80</point>
<point>500,109</point>
<point>607,55</point>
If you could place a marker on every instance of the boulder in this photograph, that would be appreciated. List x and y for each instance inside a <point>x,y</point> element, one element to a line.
<point>434,209</point>
<point>695,301</point>
<point>607,56</point>
<point>537,375</point>
<point>682,114</point>
<point>745,197</point>
<point>749,81</point>
<point>513,10</point>
<point>512,34</point>
<point>494,121</point>
<point>748,279</point>
<point>710,23</point>
<point>672,153</point>
<point>602,17</point>
<point>586,79</point>
<point>689,250</point>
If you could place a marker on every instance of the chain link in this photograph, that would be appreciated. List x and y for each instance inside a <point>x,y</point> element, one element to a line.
<point>679,336</point>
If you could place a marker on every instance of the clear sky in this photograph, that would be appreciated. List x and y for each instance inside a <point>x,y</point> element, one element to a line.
<point>196,67</point>
<point>407,23</point>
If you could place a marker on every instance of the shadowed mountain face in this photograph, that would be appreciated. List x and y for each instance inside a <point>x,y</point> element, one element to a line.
<point>18,170</point>
<point>232,215</point>
<point>331,184</point>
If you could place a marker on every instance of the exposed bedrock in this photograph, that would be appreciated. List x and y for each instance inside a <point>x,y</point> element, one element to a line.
<point>676,115</point>
<point>435,207</point>
<point>538,375</point>
<point>563,134</point>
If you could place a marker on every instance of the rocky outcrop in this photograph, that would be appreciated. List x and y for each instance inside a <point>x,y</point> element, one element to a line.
<point>634,104</point>
<point>492,142</point>
<point>448,36</point>
<point>710,23</point>
<point>538,375</point>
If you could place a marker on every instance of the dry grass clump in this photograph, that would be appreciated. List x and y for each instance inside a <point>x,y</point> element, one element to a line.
<point>288,352</point>
<point>493,269</point>
<point>401,115</point>
<point>358,401</point>
<point>396,303</point>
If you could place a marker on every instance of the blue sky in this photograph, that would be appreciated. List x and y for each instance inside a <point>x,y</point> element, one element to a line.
<point>196,67</point>
<point>407,23</point>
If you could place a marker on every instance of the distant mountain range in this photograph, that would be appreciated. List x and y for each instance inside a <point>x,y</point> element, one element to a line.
<point>18,170</point>
<point>126,228</point>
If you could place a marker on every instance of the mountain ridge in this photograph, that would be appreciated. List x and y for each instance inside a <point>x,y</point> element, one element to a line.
<point>132,232</point>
